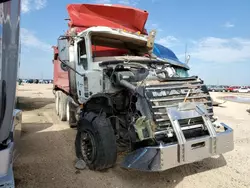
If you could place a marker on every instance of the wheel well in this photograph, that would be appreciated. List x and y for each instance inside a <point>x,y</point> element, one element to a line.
<point>55,89</point>
<point>99,103</point>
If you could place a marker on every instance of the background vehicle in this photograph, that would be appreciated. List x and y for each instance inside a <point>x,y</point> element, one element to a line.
<point>236,88</point>
<point>230,89</point>
<point>210,87</point>
<point>243,90</point>
<point>10,118</point>
<point>30,81</point>
<point>215,88</point>
<point>36,81</point>
<point>126,98</point>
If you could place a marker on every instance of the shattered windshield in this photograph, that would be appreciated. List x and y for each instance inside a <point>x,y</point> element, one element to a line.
<point>106,45</point>
<point>109,48</point>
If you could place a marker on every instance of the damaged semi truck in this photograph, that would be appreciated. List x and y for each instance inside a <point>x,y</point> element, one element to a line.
<point>116,85</point>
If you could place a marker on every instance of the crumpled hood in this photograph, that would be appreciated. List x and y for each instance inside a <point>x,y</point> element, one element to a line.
<point>84,16</point>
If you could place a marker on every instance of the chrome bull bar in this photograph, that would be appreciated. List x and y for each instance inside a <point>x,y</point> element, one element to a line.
<point>184,151</point>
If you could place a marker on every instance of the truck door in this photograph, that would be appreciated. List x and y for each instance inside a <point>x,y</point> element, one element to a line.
<point>81,62</point>
<point>89,82</point>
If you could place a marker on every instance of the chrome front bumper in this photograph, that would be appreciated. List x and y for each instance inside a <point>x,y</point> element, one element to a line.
<point>164,157</point>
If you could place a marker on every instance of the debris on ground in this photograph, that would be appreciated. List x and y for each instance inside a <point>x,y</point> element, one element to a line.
<point>80,164</point>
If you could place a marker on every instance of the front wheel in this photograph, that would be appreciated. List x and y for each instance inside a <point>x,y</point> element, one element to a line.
<point>95,141</point>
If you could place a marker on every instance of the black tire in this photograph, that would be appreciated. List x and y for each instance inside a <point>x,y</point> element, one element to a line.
<point>57,102</point>
<point>71,114</point>
<point>62,106</point>
<point>101,134</point>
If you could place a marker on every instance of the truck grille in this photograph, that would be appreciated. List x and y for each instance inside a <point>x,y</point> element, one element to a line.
<point>169,94</point>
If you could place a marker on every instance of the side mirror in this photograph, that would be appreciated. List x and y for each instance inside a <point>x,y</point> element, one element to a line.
<point>63,49</point>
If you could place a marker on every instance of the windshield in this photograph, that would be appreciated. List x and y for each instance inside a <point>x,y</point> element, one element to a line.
<point>106,44</point>
<point>108,47</point>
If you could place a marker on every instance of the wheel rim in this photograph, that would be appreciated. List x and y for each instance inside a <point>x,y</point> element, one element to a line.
<point>67,111</point>
<point>88,146</point>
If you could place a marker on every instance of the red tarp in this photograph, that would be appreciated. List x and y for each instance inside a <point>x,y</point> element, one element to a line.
<point>84,16</point>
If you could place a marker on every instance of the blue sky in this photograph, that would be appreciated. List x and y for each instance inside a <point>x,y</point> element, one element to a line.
<point>217,34</point>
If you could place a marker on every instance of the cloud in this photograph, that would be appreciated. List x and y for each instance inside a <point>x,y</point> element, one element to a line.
<point>221,50</point>
<point>129,2</point>
<point>30,5</point>
<point>168,41</point>
<point>30,41</point>
<point>228,25</point>
<point>25,6</point>
<point>102,1</point>
<point>152,25</point>
<point>124,2</point>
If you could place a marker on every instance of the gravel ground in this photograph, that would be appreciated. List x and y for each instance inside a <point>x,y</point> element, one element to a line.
<point>47,153</point>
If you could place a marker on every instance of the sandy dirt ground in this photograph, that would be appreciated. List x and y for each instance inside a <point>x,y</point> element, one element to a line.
<point>47,153</point>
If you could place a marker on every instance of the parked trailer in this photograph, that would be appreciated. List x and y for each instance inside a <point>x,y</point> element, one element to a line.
<point>10,118</point>
<point>123,97</point>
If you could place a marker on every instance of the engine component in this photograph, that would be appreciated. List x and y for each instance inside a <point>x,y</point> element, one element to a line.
<point>144,129</point>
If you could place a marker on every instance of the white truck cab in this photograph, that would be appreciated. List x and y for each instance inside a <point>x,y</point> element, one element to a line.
<point>162,118</point>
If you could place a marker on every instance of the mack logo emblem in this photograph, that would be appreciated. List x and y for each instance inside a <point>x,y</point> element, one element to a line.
<point>175,92</point>
<point>159,94</point>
